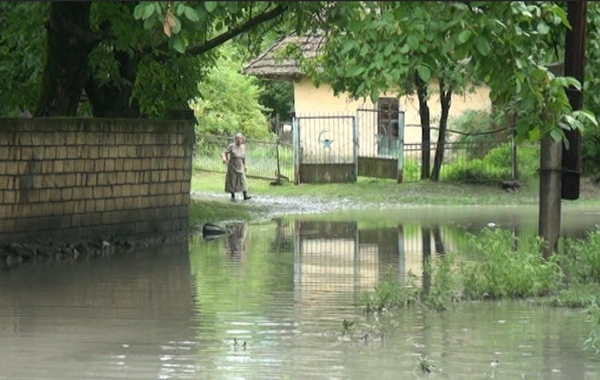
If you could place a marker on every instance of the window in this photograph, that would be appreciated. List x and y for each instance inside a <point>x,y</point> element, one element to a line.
<point>388,110</point>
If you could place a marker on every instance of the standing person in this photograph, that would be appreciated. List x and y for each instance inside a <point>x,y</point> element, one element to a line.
<point>235,159</point>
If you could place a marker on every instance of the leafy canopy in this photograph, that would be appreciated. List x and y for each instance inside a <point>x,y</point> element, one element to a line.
<point>373,47</point>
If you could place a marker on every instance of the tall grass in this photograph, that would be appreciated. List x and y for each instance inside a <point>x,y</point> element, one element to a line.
<point>500,272</point>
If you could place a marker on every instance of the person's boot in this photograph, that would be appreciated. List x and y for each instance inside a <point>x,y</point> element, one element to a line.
<point>246,197</point>
<point>233,196</point>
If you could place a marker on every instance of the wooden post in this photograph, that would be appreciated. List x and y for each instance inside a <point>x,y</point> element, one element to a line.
<point>549,208</point>
<point>574,67</point>
<point>296,145</point>
<point>514,166</point>
<point>400,146</point>
<point>550,186</point>
<point>355,146</point>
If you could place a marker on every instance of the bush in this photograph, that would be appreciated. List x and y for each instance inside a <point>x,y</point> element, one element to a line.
<point>412,170</point>
<point>475,122</point>
<point>495,166</point>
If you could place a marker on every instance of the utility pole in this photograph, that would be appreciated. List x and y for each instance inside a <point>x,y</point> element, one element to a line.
<point>574,67</point>
<point>560,166</point>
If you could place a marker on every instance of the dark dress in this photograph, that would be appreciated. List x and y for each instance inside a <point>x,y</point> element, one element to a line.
<point>235,180</point>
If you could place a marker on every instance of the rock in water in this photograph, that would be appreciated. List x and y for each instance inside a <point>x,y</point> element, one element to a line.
<point>210,230</point>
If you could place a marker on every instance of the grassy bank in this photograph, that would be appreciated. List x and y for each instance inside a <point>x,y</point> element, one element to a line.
<point>370,190</point>
<point>202,211</point>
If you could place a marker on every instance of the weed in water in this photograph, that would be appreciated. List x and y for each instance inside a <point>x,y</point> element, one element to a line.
<point>390,294</point>
<point>593,340</point>
<point>425,365</point>
<point>501,272</point>
<point>347,326</point>
<point>582,258</point>
<point>444,284</point>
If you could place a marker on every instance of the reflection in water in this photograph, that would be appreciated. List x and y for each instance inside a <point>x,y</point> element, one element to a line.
<point>293,324</point>
<point>285,289</point>
<point>127,315</point>
<point>236,240</point>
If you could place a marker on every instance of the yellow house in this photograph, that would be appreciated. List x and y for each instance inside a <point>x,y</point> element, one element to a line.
<point>331,140</point>
<point>310,100</point>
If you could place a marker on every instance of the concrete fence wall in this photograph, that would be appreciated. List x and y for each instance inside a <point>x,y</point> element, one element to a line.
<point>67,178</point>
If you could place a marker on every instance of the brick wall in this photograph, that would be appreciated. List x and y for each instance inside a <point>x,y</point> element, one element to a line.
<point>68,178</point>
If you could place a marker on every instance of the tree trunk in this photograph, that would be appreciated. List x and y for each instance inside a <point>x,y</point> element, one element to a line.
<point>69,42</point>
<point>438,240</point>
<point>426,243</point>
<point>445,102</point>
<point>422,95</point>
<point>112,101</point>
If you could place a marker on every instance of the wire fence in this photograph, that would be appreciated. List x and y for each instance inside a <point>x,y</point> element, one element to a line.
<point>464,158</point>
<point>264,159</point>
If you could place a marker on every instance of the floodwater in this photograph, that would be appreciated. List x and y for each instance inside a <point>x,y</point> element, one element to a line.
<point>268,301</point>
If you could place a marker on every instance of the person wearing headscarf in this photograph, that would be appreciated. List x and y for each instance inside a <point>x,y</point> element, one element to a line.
<point>235,159</point>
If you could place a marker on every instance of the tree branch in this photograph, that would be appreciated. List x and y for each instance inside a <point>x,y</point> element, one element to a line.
<point>232,33</point>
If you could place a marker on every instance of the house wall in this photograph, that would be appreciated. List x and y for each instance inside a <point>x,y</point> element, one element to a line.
<point>311,101</point>
<point>72,178</point>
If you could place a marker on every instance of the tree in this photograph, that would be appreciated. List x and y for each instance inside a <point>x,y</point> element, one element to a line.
<point>398,47</point>
<point>22,41</point>
<point>373,48</point>
<point>135,58</point>
<point>229,101</point>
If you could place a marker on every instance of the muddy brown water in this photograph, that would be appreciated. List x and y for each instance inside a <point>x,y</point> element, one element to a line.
<point>268,301</point>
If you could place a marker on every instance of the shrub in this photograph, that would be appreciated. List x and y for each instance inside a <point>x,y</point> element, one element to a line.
<point>495,166</point>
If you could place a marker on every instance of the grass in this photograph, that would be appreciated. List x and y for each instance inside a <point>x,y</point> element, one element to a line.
<point>371,190</point>
<point>202,211</point>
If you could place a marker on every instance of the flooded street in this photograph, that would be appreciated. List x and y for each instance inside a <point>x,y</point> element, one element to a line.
<point>268,301</point>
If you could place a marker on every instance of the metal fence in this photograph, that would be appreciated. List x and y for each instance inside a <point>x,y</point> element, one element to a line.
<point>267,159</point>
<point>460,152</point>
<point>264,159</point>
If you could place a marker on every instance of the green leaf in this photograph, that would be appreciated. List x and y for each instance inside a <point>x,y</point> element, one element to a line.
<point>483,46</point>
<point>556,135</point>
<point>138,11</point>
<point>179,43</point>
<point>179,9</point>
<point>543,28</point>
<point>210,6</point>
<point>424,72</point>
<point>586,116</point>
<point>177,27</point>
<point>464,36</point>
<point>374,95</point>
<point>413,42</point>
<point>388,50</point>
<point>356,71</point>
<point>148,11</point>
<point>191,14</point>
<point>150,22</point>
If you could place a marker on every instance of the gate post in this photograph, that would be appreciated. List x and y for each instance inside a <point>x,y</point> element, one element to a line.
<point>400,146</point>
<point>296,148</point>
<point>355,145</point>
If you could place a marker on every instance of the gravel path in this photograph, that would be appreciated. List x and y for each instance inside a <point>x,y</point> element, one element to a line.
<point>278,205</point>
